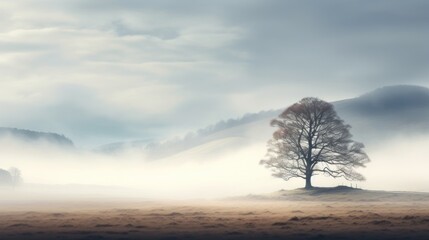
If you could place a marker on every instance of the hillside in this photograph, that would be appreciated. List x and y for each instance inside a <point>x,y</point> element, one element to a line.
<point>374,116</point>
<point>33,136</point>
<point>387,112</point>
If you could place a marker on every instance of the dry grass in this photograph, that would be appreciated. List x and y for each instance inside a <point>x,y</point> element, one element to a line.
<point>216,220</point>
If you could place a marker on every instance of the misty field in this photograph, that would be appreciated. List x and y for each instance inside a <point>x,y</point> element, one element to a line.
<point>231,219</point>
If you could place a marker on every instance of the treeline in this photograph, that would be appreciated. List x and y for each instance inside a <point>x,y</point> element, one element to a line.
<point>12,177</point>
<point>28,135</point>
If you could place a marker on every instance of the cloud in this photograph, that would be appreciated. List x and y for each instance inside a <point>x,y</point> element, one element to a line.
<point>154,68</point>
<point>333,44</point>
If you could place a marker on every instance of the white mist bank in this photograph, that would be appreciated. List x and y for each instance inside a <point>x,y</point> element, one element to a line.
<point>399,165</point>
<point>211,170</point>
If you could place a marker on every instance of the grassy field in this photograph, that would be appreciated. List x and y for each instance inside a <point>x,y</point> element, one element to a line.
<point>317,215</point>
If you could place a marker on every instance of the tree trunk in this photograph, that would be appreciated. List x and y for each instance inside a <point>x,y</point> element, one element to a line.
<point>308,182</point>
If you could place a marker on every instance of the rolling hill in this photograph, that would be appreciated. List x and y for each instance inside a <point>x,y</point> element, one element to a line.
<point>33,136</point>
<point>383,113</point>
<point>387,112</point>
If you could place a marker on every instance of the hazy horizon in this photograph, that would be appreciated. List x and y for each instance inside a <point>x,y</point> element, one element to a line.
<point>214,119</point>
<point>106,71</point>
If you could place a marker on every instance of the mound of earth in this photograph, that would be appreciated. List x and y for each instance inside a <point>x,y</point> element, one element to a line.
<point>339,194</point>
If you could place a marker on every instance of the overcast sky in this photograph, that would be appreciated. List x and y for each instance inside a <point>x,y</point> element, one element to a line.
<point>104,70</point>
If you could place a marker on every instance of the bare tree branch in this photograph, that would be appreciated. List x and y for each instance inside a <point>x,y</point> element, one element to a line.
<point>312,139</point>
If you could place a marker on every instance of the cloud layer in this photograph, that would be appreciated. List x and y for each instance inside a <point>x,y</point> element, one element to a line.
<point>101,71</point>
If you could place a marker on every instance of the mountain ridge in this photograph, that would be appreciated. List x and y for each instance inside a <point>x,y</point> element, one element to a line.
<point>372,115</point>
<point>404,108</point>
<point>32,136</point>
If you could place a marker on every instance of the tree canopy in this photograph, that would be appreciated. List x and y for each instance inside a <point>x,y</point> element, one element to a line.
<point>311,139</point>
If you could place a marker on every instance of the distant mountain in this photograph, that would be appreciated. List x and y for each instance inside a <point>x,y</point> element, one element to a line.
<point>118,146</point>
<point>388,110</point>
<point>235,128</point>
<point>33,136</point>
<point>374,116</point>
<point>392,99</point>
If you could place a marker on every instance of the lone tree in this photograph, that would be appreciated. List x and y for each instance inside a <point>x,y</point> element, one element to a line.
<point>311,139</point>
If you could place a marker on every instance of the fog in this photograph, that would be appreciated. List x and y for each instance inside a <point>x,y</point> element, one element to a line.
<point>217,169</point>
<point>399,164</point>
